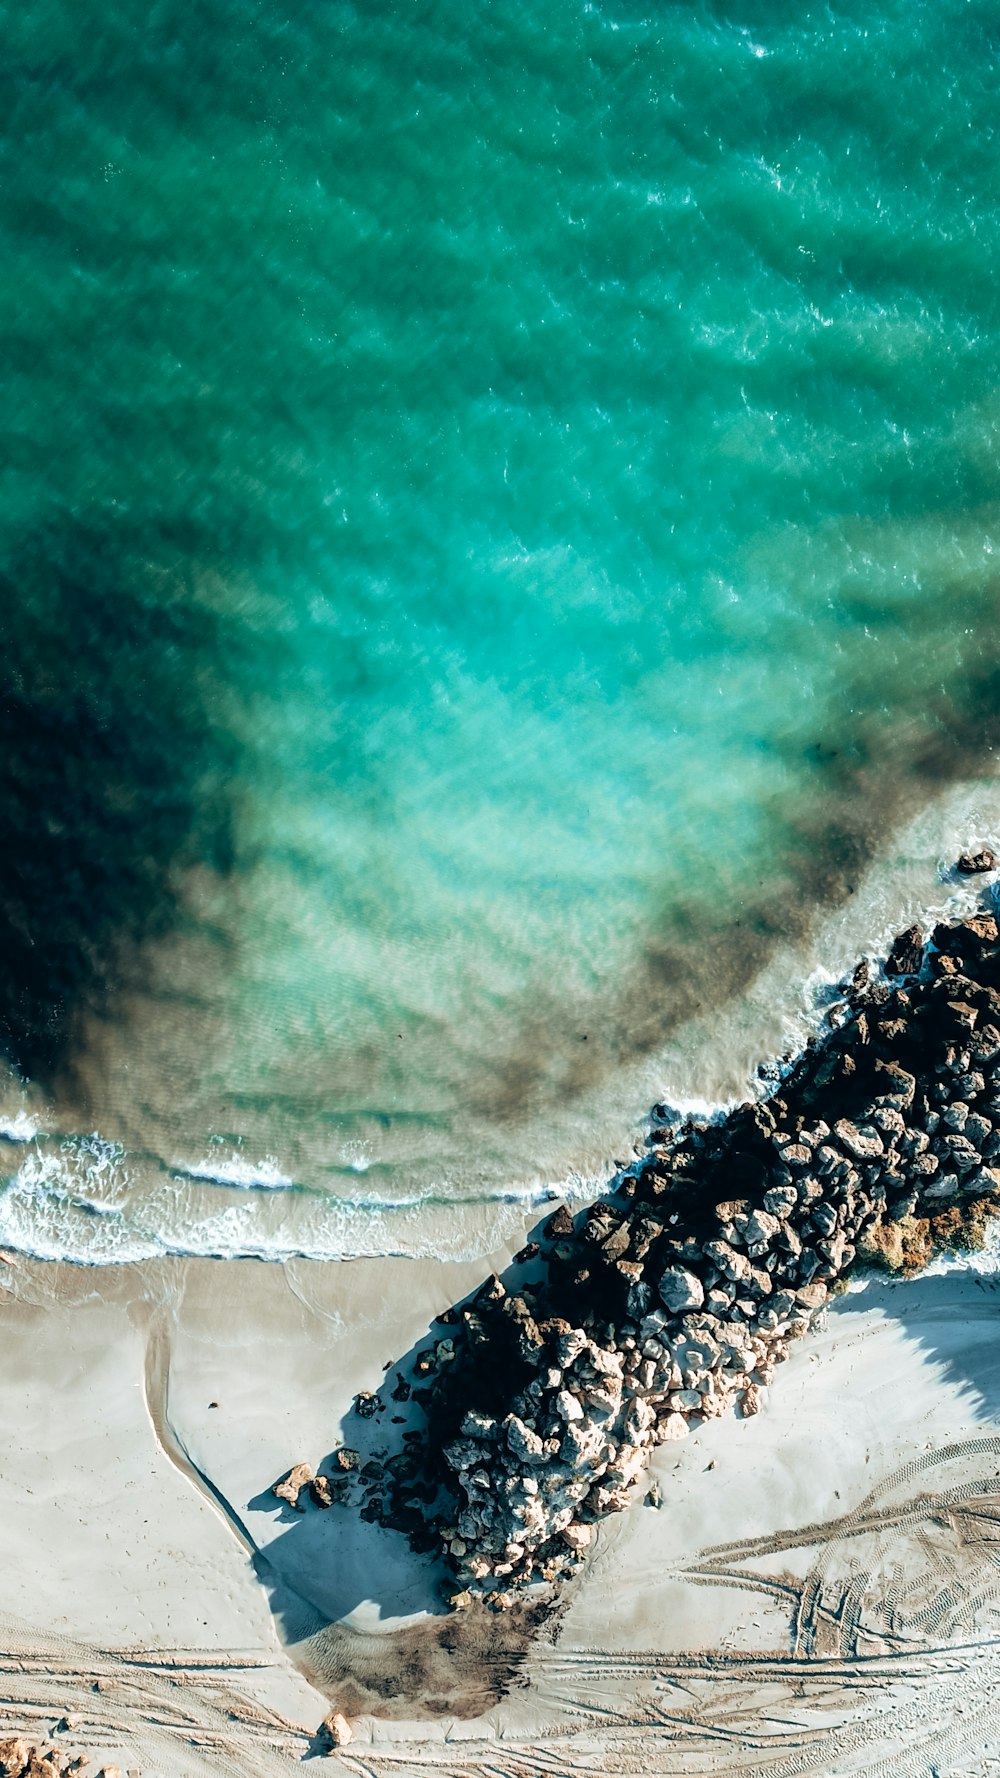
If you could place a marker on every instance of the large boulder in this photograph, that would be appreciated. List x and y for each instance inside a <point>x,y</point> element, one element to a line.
<point>337,1730</point>
<point>522,1441</point>
<point>907,953</point>
<point>860,1144</point>
<point>681,1290</point>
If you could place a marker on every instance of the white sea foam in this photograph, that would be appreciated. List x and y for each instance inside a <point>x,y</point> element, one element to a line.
<point>263,1175</point>
<point>84,1199</point>
<point>18,1128</point>
<point>70,1203</point>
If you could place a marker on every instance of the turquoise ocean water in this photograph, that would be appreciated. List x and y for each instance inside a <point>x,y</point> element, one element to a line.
<point>497,539</point>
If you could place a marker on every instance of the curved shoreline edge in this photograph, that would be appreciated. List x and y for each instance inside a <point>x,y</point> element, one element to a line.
<point>677,1293</point>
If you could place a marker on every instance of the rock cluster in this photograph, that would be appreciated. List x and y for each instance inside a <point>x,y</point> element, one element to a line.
<point>674,1297</point>
<point>21,1758</point>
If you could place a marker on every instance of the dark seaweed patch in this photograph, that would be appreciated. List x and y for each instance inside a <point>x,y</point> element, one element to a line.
<point>113,779</point>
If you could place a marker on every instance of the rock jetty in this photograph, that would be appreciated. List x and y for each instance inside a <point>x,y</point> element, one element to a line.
<point>673,1298</point>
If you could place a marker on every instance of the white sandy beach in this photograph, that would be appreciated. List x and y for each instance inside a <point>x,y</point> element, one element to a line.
<point>824,1600</point>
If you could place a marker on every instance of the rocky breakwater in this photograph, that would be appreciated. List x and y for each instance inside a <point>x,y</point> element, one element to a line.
<point>673,1298</point>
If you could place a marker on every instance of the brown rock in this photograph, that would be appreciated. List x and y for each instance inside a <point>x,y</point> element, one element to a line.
<point>812,1296</point>
<point>861,1145</point>
<point>962,1014</point>
<point>559,1225</point>
<point>971,863</point>
<point>337,1729</point>
<point>319,1488</point>
<point>752,1400</point>
<point>906,954</point>
<point>797,1156</point>
<point>896,1083</point>
<point>293,1483</point>
<point>617,1243</point>
<point>14,1756</point>
<point>579,1537</point>
<point>731,1207</point>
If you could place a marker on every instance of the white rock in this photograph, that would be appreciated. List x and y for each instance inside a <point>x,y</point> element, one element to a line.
<point>569,1346</point>
<point>567,1406</point>
<point>523,1442</point>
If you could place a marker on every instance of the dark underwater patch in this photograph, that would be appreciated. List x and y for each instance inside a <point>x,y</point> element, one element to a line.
<point>113,778</point>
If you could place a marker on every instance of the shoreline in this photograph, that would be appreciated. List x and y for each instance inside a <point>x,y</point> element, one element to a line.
<point>164,1204</point>
<point>158,1403</point>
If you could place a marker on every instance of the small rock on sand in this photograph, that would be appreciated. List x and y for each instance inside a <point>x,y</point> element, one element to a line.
<point>293,1483</point>
<point>337,1729</point>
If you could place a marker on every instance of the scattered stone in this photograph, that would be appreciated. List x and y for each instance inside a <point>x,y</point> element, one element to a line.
<point>319,1488</point>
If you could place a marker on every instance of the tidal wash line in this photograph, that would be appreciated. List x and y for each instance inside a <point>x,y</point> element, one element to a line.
<point>675,1296</point>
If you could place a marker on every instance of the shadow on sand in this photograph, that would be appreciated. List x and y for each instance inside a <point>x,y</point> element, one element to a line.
<point>360,1592</point>
<point>955,1317</point>
<point>365,1609</point>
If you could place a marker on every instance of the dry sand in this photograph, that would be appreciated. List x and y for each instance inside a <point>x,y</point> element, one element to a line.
<point>824,1601</point>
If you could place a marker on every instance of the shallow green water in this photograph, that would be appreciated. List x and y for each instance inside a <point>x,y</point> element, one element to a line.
<point>497,524</point>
